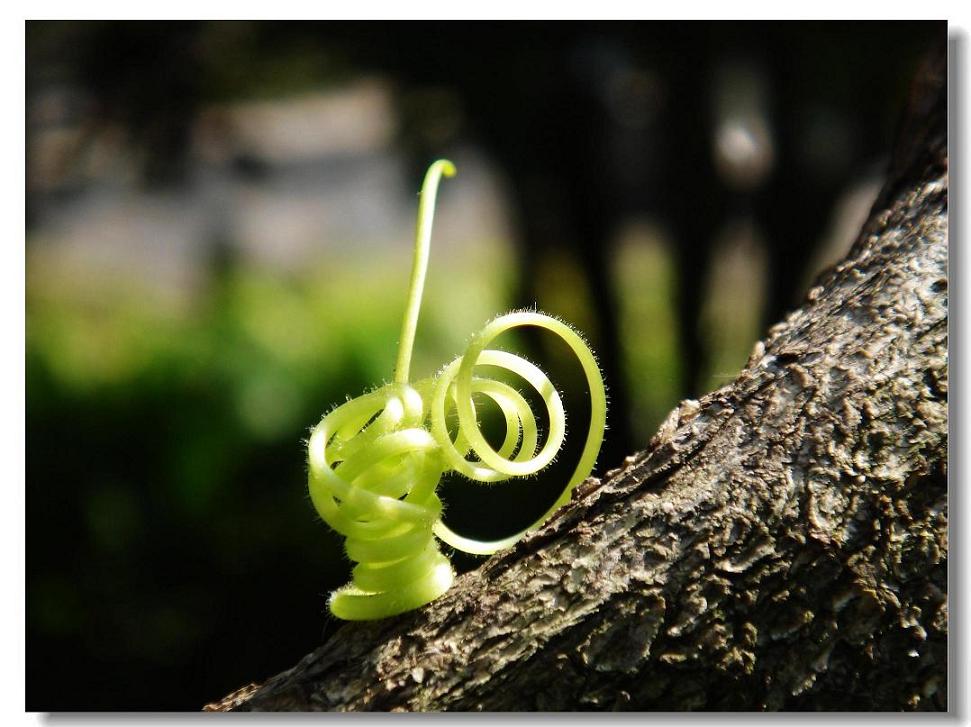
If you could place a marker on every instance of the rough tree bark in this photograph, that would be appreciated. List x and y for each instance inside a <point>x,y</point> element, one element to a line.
<point>781,544</point>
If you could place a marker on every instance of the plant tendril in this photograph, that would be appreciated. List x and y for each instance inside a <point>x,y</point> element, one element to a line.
<point>376,461</point>
<point>423,238</point>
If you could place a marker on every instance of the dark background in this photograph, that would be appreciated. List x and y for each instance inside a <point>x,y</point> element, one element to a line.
<point>219,220</point>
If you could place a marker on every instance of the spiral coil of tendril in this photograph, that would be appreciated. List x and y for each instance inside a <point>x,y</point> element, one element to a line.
<point>375,465</point>
<point>376,461</point>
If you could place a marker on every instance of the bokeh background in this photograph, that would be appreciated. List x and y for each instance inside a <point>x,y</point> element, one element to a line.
<point>219,227</point>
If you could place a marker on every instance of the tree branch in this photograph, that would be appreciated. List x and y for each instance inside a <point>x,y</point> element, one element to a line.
<point>782,543</point>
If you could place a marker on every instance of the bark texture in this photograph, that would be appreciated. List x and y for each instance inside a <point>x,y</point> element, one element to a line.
<point>781,544</point>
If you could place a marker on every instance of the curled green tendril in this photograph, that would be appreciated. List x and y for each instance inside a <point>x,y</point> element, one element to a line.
<point>376,461</point>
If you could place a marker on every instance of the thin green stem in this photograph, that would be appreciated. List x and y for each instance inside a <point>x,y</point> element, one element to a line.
<point>423,235</point>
